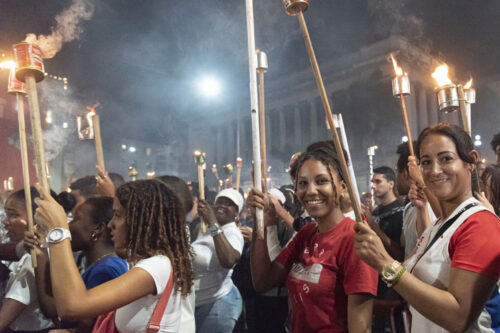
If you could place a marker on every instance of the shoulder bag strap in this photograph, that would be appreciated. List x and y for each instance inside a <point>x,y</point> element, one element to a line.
<point>443,228</point>
<point>154,323</point>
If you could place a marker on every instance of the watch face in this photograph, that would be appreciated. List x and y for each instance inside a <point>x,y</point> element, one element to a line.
<point>55,234</point>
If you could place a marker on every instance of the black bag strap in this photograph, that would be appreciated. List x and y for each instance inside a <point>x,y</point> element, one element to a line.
<point>443,228</point>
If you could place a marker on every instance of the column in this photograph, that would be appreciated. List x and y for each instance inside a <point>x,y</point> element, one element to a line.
<point>422,112</point>
<point>297,132</point>
<point>282,129</point>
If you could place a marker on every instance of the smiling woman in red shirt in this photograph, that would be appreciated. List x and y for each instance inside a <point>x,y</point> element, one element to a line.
<point>330,289</point>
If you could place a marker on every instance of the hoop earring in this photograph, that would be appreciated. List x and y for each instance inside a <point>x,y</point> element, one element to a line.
<point>93,237</point>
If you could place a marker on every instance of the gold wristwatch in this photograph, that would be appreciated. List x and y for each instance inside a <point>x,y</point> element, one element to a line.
<point>392,273</point>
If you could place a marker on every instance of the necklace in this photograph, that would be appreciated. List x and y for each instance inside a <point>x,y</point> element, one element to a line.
<point>102,257</point>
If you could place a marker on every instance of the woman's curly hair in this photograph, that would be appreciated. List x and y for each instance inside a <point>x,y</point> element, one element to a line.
<point>156,225</point>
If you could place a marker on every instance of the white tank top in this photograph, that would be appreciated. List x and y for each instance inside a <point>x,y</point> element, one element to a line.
<point>434,268</point>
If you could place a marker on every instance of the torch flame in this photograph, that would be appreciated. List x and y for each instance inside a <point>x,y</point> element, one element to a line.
<point>441,75</point>
<point>9,64</point>
<point>398,70</point>
<point>468,84</point>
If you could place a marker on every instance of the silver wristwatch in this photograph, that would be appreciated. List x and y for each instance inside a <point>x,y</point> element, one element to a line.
<point>57,235</point>
<point>215,230</point>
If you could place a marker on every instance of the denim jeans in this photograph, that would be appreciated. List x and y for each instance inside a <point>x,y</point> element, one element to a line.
<point>219,316</point>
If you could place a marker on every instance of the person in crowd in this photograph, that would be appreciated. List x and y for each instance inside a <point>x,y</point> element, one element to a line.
<point>90,235</point>
<point>148,230</point>
<point>20,309</point>
<point>490,198</point>
<point>416,208</point>
<point>329,288</point>
<point>387,218</point>
<point>457,263</point>
<point>218,301</point>
<point>83,188</point>
<point>89,186</point>
<point>495,145</point>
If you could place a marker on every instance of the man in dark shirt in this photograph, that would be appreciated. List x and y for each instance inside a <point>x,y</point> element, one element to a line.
<point>387,219</point>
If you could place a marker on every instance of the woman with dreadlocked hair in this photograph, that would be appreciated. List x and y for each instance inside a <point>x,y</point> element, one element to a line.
<point>148,229</point>
<point>329,288</point>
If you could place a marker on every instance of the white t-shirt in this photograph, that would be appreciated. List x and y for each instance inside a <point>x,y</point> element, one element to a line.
<point>134,317</point>
<point>22,288</point>
<point>212,281</point>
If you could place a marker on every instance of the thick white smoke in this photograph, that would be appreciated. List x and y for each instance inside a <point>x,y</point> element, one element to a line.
<point>68,28</point>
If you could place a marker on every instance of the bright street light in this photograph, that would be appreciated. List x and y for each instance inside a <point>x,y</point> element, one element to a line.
<point>209,86</point>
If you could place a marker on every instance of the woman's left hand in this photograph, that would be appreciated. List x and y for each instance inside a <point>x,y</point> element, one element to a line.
<point>49,213</point>
<point>369,247</point>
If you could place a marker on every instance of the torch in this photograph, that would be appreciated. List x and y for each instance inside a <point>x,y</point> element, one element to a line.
<point>29,69</point>
<point>8,184</point>
<point>470,98</point>
<point>199,159</point>
<point>371,153</point>
<point>19,89</point>
<point>400,89</point>
<point>239,164</point>
<point>261,69</point>
<point>132,173</point>
<point>228,171</point>
<point>254,111</point>
<point>97,134</point>
<point>296,8</point>
<point>214,171</point>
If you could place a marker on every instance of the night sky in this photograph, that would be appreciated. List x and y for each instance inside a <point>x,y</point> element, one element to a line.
<point>142,59</point>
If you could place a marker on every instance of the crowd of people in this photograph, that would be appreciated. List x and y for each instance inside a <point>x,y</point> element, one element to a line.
<point>150,255</point>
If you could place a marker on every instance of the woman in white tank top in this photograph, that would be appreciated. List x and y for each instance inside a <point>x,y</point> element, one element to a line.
<point>457,263</point>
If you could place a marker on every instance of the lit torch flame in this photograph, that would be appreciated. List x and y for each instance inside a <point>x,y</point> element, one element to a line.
<point>441,75</point>
<point>398,70</point>
<point>468,85</point>
<point>9,64</point>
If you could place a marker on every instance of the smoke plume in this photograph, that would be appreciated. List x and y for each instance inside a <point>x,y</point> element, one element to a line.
<point>68,28</point>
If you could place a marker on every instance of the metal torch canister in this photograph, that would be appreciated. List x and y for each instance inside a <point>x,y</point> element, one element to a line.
<point>470,95</point>
<point>262,64</point>
<point>85,127</point>
<point>8,184</point>
<point>15,86</point>
<point>401,85</point>
<point>448,98</point>
<point>293,7</point>
<point>29,59</point>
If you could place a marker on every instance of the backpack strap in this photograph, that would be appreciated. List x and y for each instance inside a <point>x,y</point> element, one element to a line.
<point>154,322</point>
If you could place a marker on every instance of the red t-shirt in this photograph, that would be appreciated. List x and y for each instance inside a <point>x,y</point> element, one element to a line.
<point>475,245</point>
<point>324,270</point>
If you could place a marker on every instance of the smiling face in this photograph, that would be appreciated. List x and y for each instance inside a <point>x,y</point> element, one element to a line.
<point>316,189</point>
<point>225,210</point>
<point>16,220</point>
<point>446,175</point>
<point>118,227</point>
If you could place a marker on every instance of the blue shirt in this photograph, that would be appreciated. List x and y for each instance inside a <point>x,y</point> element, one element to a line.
<point>104,270</point>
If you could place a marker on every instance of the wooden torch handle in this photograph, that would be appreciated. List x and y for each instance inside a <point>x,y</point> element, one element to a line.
<point>238,178</point>
<point>36,128</point>
<point>407,124</point>
<point>98,140</point>
<point>329,117</point>
<point>201,193</point>
<point>26,173</point>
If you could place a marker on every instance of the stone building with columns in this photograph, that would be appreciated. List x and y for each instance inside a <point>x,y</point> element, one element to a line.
<point>358,86</point>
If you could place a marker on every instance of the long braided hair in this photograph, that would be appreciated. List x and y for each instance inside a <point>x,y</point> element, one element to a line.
<point>324,152</point>
<point>156,225</point>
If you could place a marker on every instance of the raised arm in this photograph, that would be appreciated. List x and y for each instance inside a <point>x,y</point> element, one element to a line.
<point>73,300</point>
<point>265,274</point>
